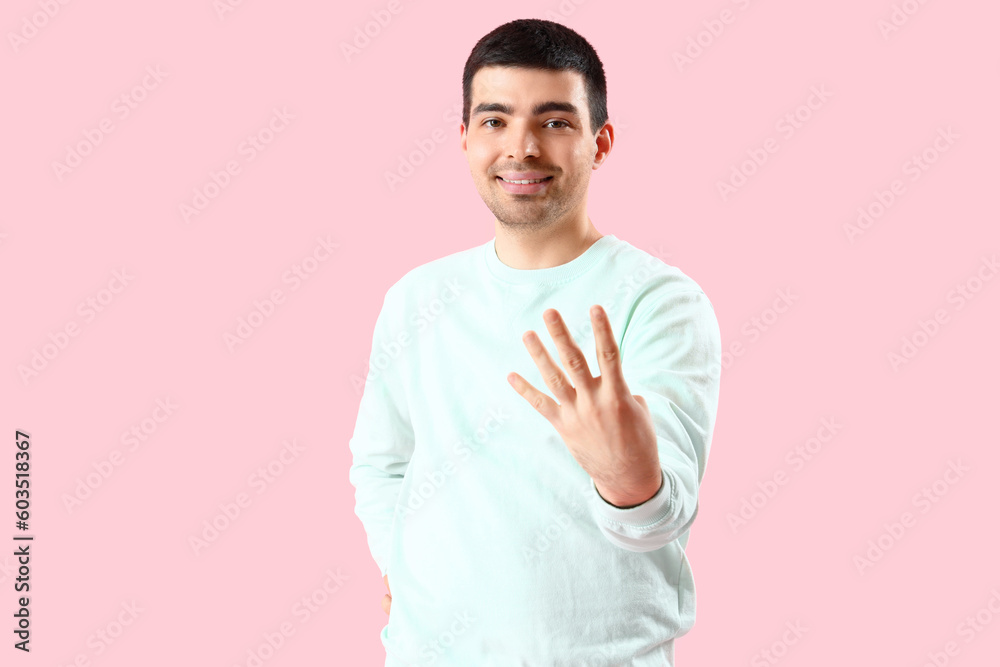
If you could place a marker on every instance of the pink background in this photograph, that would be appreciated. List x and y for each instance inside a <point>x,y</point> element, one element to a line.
<point>680,131</point>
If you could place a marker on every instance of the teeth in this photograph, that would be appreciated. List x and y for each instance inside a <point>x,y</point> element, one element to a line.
<point>537,180</point>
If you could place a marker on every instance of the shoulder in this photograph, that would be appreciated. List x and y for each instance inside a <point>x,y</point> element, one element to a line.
<point>448,273</point>
<point>646,277</point>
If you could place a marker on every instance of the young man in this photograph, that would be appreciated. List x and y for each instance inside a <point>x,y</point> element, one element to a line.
<point>534,510</point>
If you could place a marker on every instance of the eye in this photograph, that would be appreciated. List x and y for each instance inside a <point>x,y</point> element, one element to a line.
<point>496,120</point>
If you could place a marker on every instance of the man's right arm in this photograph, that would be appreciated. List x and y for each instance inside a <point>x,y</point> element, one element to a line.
<point>382,443</point>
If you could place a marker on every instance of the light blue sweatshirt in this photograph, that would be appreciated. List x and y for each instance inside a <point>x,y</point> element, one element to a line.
<point>498,548</point>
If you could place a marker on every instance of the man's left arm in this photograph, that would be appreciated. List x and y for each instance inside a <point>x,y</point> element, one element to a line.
<point>671,353</point>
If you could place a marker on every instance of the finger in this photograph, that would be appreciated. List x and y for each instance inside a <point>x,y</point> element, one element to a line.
<point>554,378</point>
<point>386,603</point>
<point>608,354</point>
<point>569,352</point>
<point>538,400</point>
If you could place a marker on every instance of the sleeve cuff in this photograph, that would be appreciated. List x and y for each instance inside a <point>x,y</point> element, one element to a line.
<point>649,513</point>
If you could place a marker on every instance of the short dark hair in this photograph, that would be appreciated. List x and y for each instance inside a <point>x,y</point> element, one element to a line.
<point>540,44</point>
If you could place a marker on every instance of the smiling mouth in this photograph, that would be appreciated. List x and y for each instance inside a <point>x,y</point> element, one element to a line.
<point>525,182</point>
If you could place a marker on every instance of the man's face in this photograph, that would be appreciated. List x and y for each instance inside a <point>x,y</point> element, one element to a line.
<point>514,132</point>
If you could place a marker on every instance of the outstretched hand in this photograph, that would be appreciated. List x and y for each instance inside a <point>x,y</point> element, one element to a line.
<point>608,430</point>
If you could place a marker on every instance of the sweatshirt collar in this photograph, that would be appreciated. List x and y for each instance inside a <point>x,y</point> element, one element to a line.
<point>553,274</point>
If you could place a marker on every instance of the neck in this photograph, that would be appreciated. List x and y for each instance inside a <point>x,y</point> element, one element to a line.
<point>546,248</point>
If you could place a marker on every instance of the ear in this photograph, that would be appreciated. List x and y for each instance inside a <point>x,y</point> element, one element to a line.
<point>605,139</point>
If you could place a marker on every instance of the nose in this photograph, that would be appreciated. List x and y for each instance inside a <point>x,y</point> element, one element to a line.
<point>521,142</point>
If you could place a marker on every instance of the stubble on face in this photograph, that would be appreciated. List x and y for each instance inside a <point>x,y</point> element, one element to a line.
<point>528,214</point>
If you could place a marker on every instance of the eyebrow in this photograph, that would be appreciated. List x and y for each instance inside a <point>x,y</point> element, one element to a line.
<point>537,110</point>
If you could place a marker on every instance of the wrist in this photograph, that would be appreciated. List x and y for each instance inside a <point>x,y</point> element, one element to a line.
<point>628,500</point>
